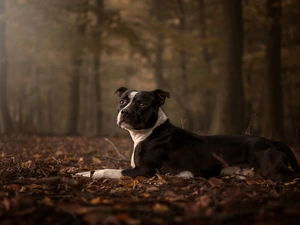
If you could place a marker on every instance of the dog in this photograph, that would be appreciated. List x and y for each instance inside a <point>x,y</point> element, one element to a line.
<point>161,146</point>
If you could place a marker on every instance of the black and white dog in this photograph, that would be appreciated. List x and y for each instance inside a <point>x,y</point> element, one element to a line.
<point>159,145</point>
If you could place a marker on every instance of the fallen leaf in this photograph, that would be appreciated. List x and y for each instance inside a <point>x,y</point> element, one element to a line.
<point>73,208</point>
<point>96,160</point>
<point>152,189</point>
<point>95,201</point>
<point>215,182</point>
<point>119,190</point>
<point>204,201</point>
<point>92,188</point>
<point>160,208</point>
<point>47,201</point>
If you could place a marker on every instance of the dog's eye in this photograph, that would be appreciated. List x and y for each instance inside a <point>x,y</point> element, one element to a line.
<point>142,104</point>
<point>122,102</point>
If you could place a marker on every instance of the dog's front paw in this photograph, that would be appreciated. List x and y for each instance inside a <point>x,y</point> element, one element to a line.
<point>97,174</point>
<point>84,174</point>
<point>106,173</point>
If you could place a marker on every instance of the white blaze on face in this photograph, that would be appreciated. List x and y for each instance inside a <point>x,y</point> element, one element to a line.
<point>130,96</point>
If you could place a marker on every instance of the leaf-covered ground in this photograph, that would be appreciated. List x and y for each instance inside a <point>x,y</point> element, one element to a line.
<point>36,187</point>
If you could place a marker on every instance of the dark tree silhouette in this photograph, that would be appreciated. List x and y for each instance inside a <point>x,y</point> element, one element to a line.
<point>230,100</point>
<point>76,60</point>
<point>6,119</point>
<point>272,125</point>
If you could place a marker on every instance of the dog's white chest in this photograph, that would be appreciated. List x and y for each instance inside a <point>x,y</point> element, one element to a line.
<point>140,135</point>
<point>132,159</point>
<point>137,138</point>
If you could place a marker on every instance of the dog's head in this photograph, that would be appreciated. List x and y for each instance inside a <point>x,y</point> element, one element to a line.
<point>138,110</point>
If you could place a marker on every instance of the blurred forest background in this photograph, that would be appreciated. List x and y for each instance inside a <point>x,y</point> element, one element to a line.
<point>225,63</point>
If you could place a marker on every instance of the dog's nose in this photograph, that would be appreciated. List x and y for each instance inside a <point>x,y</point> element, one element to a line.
<point>125,112</point>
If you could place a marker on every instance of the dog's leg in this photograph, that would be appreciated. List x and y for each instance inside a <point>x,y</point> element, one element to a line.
<point>274,165</point>
<point>107,173</point>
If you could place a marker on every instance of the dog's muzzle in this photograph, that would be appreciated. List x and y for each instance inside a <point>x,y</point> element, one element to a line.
<point>122,120</point>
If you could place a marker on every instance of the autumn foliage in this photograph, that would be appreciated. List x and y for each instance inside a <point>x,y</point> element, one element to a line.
<point>37,186</point>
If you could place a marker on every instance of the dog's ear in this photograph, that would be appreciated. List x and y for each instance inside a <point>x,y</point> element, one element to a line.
<point>161,96</point>
<point>121,90</point>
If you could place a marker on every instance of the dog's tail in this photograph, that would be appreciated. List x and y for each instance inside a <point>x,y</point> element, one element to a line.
<point>289,153</point>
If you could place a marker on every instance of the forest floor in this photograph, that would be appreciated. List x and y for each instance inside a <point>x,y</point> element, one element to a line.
<point>37,187</point>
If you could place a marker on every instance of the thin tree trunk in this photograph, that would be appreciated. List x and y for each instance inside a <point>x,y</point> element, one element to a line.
<point>75,93</point>
<point>183,64</point>
<point>84,111</point>
<point>76,60</point>
<point>6,118</point>
<point>40,120</point>
<point>158,70</point>
<point>272,126</point>
<point>21,100</point>
<point>203,34</point>
<point>97,69</point>
<point>230,100</point>
<point>182,51</point>
<point>205,98</point>
<point>50,107</point>
<point>97,75</point>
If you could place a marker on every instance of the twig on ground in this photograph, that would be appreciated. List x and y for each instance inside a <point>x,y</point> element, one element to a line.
<point>119,154</point>
<point>55,149</point>
<point>113,158</point>
<point>4,143</point>
<point>248,131</point>
<point>182,122</point>
<point>160,177</point>
<point>225,164</point>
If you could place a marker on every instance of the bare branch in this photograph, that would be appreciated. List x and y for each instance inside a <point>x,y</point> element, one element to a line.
<point>120,155</point>
<point>225,164</point>
<point>248,131</point>
<point>7,142</point>
<point>182,122</point>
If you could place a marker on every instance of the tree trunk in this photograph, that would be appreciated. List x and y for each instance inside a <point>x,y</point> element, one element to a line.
<point>182,52</point>
<point>97,68</point>
<point>76,60</point>
<point>203,34</point>
<point>40,117</point>
<point>21,100</point>
<point>272,126</point>
<point>97,75</point>
<point>6,119</point>
<point>75,93</point>
<point>183,62</point>
<point>49,111</point>
<point>229,106</point>
<point>158,70</point>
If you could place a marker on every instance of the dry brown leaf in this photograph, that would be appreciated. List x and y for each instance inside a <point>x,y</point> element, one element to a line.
<point>96,160</point>
<point>47,201</point>
<point>119,190</point>
<point>214,182</point>
<point>160,208</point>
<point>161,179</point>
<point>152,189</point>
<point>145,195</point>
<point>92,188</point>
<point>73,208</point>
<point>204,201</point>
<point>258,181</point>
<point>95,201</point>
<point>128,182</point>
